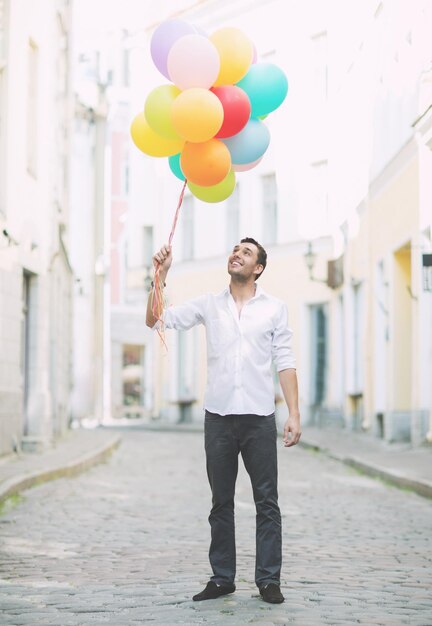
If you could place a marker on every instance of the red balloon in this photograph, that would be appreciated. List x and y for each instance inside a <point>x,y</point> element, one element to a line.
<point>237,109</point>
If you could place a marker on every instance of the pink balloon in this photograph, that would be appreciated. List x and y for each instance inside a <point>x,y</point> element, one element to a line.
<point>245,166</point>
<point>193,61</point>
<point>163,38</point>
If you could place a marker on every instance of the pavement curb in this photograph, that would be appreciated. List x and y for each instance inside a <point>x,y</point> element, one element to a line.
<point>21,482</point>
<point>422,488</point>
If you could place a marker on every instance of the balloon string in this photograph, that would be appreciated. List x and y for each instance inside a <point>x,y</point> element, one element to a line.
<point>158,299</point>
<point>177,213</point>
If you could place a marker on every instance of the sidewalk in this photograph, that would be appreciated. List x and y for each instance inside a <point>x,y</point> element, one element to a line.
<point>78,451</point>
<point>397,463</point>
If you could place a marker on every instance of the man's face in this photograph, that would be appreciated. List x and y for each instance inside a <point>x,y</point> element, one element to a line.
<point>243,261</point>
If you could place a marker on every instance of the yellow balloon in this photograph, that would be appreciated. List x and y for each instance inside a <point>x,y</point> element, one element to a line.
<point>197,114</point>
<point>235,52</point>
<point>215,193</point>
<point>150,142</point>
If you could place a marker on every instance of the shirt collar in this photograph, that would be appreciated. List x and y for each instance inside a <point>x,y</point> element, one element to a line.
<point>259,292</point>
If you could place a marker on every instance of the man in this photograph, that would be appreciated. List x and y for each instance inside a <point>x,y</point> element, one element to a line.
<point>246,330</point>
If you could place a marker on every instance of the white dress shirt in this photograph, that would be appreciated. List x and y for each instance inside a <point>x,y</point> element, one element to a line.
<point>240,349</point>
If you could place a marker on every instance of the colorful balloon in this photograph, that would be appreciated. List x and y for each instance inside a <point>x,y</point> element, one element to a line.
<point>215,193</point>
<point>236,54</point>
<point>208,123</point>
<point>193,61</point>
<point>249,144</point>
<point>157,110</point>
<point>174,163</point>
<point>266,85</point>
<point>163,38</point>
<point>236,107</point>
<point>197,114</point>
<point>245,167</point>
<point>150,142</point>
<point>205,164</point>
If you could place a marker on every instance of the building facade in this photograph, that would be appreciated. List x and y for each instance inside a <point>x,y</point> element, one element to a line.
<point>35,271</point>
<point>380,95</point>
<point>341,201</point>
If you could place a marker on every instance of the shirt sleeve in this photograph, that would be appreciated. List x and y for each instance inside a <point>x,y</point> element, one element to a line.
<point>282,353</point>
<point>185,316</point>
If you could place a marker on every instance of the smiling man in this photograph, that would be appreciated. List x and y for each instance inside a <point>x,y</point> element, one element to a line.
<point>247,330</point>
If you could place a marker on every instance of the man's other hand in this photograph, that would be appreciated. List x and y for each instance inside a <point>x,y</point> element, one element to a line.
<point>292,431</point>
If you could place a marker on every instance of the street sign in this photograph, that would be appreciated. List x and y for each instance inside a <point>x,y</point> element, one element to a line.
<point>427,272</point>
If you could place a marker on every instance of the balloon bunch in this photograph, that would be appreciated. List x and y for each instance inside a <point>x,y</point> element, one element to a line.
<point>208,119</point>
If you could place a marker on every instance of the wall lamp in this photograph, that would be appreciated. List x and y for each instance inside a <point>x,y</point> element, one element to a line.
<point>310,258</point>
<point>10,240</point>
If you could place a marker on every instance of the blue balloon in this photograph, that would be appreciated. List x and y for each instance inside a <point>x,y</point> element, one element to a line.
<point>266,85</point>
<point>249,144</point>
<point>174,163</point>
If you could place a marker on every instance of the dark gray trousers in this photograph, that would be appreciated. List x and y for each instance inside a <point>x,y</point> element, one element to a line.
<point>254,436</point>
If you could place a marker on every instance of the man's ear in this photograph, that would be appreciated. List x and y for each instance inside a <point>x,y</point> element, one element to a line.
<point>259,269</point>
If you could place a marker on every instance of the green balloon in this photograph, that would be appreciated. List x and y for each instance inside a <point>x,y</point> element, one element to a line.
<point>157,110</point>
<point>266,85</point>
<point>174,163</point>
<point>215,193</point>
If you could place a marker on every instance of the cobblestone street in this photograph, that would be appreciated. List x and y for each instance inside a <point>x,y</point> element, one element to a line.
<point>126,543</point>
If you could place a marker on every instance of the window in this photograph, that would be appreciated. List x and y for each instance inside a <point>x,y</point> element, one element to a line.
<point>147,246</point>
<point>269,225</point>
<point>32,107</point>
<point>125,176</point>
<point>188,228</point>
<point>133,375</point>
<point>126,68</point>
<point>232,219</point>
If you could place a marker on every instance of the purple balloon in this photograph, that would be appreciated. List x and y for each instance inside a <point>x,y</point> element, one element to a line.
<point>163,38</point>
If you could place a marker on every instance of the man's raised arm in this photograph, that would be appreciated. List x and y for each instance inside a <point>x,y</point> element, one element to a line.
<point>163,258</point>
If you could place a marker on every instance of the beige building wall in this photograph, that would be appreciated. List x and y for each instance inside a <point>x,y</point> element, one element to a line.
<point>388,245</point>
<point>394,234</point>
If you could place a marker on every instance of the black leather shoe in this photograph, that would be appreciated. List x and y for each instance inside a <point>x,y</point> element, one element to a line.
<point>272,593</point>
<point>213,591</point>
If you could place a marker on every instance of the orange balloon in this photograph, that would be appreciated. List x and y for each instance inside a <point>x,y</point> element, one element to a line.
<point>197,114</point>
<point>205,164</point>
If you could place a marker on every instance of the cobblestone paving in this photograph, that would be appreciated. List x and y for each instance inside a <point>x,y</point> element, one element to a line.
<point>126,543</point>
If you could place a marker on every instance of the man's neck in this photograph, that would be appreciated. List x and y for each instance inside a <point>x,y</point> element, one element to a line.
<point>242,292</point>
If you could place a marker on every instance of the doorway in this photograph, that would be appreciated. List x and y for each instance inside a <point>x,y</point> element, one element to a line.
<point>318,358</point>
<point>25,347</point>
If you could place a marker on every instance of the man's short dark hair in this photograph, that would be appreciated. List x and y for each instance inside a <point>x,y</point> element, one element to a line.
<point>262,254</point>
